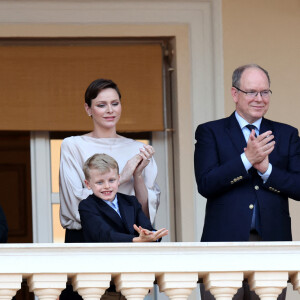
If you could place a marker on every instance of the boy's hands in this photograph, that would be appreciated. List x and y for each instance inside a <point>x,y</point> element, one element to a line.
<point>146,235</point>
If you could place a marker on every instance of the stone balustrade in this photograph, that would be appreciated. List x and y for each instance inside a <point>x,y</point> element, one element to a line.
<point>175,267</point>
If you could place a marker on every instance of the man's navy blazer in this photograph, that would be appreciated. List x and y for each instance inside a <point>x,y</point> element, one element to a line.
<point>102,224</point>
<point>231,191</point>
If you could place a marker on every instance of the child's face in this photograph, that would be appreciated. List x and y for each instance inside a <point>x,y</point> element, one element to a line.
<point>104,185</point>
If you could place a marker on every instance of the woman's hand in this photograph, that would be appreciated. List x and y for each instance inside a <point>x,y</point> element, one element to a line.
<point>146,235</point>
<point>130,168</point>
<point>146,153</point>
<point>134,167</point>
<point>139,185</point>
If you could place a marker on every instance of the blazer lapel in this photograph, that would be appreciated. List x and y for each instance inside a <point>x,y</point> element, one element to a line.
<point>108,211</point>
<point>127,213</point>
<point>235,133</point>
<point>265,126</point>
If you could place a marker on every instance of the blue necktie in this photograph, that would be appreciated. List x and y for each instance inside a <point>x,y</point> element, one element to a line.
<point>250,127</point>
<point>255,223</point>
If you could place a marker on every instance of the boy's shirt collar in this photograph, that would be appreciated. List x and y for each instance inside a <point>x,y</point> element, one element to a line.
<point>115,201</point>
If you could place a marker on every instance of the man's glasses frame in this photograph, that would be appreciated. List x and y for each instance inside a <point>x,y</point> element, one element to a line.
<point>264,94</point>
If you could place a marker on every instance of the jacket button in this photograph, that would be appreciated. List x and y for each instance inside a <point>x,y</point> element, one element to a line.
<point>251,206</point>
<point>256,187</point>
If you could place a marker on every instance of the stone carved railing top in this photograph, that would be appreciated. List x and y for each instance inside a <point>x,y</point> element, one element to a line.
<point>176,268</point>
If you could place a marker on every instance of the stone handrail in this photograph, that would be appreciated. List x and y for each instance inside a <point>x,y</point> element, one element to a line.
<point>133,267</point>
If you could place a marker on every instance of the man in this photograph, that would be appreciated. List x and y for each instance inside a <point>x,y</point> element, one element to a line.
<point>247,167</point>
<point>247,173</point>
<point>247,180</point>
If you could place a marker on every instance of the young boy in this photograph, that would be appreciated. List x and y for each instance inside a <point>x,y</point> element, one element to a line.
<point>108,216</point>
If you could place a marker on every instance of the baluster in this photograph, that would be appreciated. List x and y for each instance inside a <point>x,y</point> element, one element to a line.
<point>223,285</point>
<point>47,286</point>
<point>91,286</point>
<point>9,285</point>
<point>177,285</point>
<point>268,285</point>
<point>134,286</point>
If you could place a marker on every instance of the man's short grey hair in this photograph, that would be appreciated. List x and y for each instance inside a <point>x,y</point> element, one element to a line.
<point>237,74</point>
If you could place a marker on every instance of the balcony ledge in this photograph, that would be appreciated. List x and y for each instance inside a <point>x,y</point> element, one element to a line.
<point>176,267</point>
<point>155,258</point>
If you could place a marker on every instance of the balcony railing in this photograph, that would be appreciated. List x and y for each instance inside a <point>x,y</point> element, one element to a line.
<point>175,267</point>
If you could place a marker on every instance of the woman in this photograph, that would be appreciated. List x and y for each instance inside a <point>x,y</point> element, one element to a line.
<point>138,169</point>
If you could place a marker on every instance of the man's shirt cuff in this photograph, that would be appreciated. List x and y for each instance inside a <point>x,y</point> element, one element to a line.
<point>246,162</point>
<point>266,175</point>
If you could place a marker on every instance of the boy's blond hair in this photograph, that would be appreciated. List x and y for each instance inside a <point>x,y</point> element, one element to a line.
<point>101,162</point>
